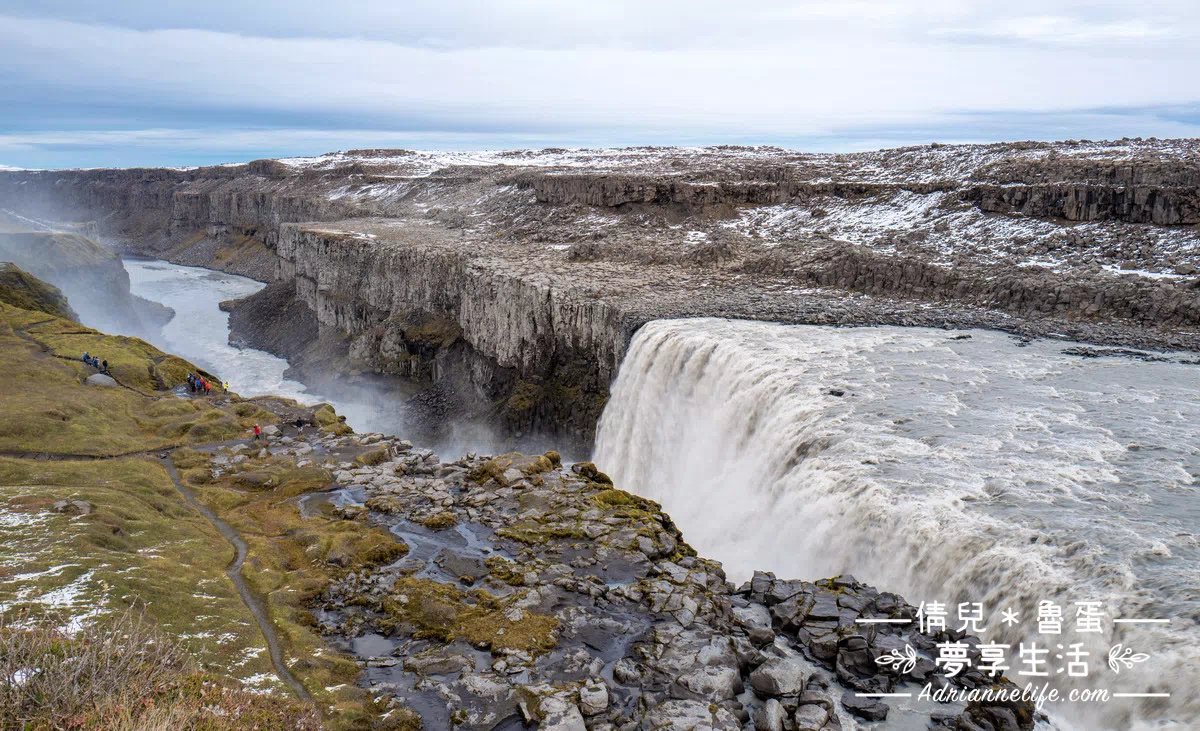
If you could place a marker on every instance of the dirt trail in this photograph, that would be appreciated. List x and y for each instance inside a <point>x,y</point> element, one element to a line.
<point>234,571</point>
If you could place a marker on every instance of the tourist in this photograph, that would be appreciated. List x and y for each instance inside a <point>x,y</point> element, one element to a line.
<point>104,367</point>
<point>257,432</point>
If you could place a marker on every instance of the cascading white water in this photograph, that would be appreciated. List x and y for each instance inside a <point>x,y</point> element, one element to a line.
<point>951,469</point>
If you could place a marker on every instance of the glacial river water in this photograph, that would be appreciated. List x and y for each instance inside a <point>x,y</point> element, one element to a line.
<point>947,466</point>
<point>199,332</point>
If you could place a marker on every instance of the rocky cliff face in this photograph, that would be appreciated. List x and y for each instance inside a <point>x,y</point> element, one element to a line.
<point>494,338</point>
<point>222,217</point>
<point>512,281</point>
<point>1144,189</point>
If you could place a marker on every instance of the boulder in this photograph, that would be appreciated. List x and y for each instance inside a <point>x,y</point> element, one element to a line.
<point>769,717</point>
<point>870,709</point>
<point>709,683</point>
<point>102,380</point>
<point>779,677</point>
<point>558,715</point>
<point>810,717</point>
<point>690,715</point>
<point>593,698</point>
<point>434,663</point>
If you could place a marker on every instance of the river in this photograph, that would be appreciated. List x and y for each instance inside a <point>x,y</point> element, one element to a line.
<point>199,332</point>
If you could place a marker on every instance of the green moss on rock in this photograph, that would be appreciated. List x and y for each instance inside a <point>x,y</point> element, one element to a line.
<point>439,521</point>
<point>589,471</point>
<point>533,533</point>
<point>445,613</point>
<point>379,455</point>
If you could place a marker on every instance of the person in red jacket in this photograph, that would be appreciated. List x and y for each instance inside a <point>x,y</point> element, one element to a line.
<point>257,431</point>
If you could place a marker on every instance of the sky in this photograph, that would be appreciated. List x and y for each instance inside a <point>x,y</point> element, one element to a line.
<point>159,82</point>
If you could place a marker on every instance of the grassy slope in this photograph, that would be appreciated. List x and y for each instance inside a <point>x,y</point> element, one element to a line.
<point>291,559</point>
<point>141,544</point>
<point>20,289</point>
<point>48,407</point>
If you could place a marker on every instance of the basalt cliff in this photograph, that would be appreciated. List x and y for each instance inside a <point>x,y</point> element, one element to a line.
<point>510,283</point>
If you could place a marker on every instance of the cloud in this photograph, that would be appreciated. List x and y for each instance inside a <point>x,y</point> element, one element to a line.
<point>1059,30</point>
<point>299,73</point>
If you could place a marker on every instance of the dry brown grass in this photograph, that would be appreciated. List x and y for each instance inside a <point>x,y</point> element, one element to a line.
<point>122,673</point>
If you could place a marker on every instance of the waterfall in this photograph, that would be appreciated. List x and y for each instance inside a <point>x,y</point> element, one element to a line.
<point>943,466</point>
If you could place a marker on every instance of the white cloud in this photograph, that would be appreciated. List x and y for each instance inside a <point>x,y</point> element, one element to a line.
<point>816,80</point>
<point>555,68</point>
<point>1061,30</point>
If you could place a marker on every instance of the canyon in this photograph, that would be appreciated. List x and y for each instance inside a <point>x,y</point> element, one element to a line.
<point>515,289</point>
<point>509,284</point>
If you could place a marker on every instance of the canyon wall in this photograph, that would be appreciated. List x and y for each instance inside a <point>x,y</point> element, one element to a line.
<point>541,353</point>
<point>221,217</point>
<point>91,277</point>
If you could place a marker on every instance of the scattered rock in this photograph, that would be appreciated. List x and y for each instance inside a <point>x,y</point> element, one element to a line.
<point>770,716</point>
<point>810,717</point>
<point>779,677</point>
<point>72,507</point>
<point>870,709</point>
<point>593,699</point>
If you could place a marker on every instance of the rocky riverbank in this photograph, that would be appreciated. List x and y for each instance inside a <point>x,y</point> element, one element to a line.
<point>532,592</point>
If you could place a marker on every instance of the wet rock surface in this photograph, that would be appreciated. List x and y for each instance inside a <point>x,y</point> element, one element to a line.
<point>535,594</point>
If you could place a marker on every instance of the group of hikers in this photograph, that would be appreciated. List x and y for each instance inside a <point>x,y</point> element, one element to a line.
<point>198,384</point>
<point>95,362</point>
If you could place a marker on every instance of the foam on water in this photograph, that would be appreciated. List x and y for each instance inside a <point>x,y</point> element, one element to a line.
<point>950,470</point>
